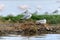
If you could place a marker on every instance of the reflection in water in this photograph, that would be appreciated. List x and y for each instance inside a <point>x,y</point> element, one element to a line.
<point>42,37</point>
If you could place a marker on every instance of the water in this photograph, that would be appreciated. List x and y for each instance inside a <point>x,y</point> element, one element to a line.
<point>41,37</point>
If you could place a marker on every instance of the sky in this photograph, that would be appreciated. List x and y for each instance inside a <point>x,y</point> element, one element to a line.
<point>11,6</point>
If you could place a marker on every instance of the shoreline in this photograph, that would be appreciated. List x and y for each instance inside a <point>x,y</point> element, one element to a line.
<point>29,28</point>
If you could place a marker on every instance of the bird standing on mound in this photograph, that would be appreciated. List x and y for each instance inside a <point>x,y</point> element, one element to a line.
<point>43,22</point>
<point>27,15</point>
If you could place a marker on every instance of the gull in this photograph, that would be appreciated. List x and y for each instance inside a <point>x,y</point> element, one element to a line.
<point>38,8</point>
<point>27,15</point>
<point>57,11</point>
<point>43,23</point>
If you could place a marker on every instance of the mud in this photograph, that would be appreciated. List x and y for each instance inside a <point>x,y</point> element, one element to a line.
<point>28,28</point>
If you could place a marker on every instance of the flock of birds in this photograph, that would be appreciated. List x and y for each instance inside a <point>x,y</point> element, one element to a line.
<point>42,21</point>
<point>27,14</point>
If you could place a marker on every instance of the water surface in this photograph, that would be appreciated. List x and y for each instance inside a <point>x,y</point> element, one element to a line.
<point>41,37</point>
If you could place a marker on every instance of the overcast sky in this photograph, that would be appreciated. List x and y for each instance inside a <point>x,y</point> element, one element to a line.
<point>11,6</point>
